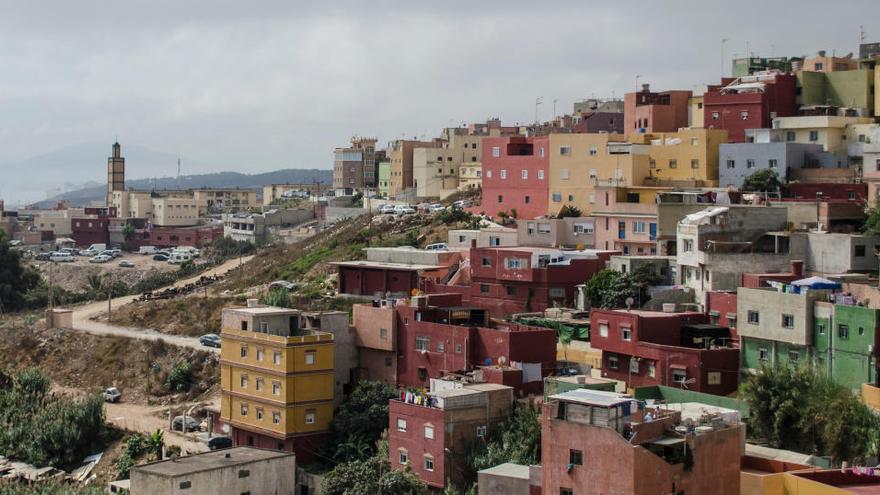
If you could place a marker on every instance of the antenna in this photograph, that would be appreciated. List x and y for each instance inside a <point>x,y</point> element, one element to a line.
<point>861,34</point>
<point>178,172</point>
<point>539,100</point>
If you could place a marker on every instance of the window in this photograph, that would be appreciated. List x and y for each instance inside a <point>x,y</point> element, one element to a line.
<point>486,262</point>
<point>540,175</point>
<point>731,163</point>
<point>652,370</point>
<point>695,163</point>
<point>423,343</point>
<point>244,409</point>
<point>787,321</point>
<point>387,361</point>
<point>260,413</point>
<point>652,163</point>
<point>458,348</point>
<point>511,290</point>
<point>763,355</point>
<point>260,353</point>
<point>541,152</point>
<point>524,174</point>
<point>557,292</point>
<point>861,330</point>
<point>496,151</point>
<point>484,288</point>
<point>821,329</point>
<point>557,197</point>
<point>818,66</point>
<point>481,431</point>
<point>566,491</point>
<point>244,351</point>
<point>626,333</point>
<point>843,331</point>
<point>401,424</point>
<point>744,115</point>
<point>489,174</point>
<point>790,136</point>
<point>715,115</point>
<point>429,462</point>
<point>441,347</point>
<point>594,151</point>
<point>565,150</point>
<point>276,387</point>
<point>276,418</point>
<point>185,485</point>
<point>814,136</point>
<point>679,375</point>
<point>750,163</point>
<point>583,228</point>
<point>514,263</point>
<point>259,384</point>
<point>402,456</point>
<point>754,317</point>
<point>714,378</point>
<point>673,163</point>
<point>310,357</point>
<point>860,251</point>
<point>687,245</point>
<point>603,329</point>
<point>503,174</point>
<point>500,198</point>
<point>638,227</point>
<point>634,365</point>
<point>793,356</point>
<point>244,326</point>
<point>264,327</point>
<point>310,416</point>
<point>564,174</point>
<point>612,362</point>
<point>429,432</point>
<point>528,199</point>
<point>576,457</point>
<point>243,381</point>
<point>277,357</point>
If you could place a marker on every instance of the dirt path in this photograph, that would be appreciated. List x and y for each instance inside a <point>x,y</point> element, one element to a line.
<point>82,315</point>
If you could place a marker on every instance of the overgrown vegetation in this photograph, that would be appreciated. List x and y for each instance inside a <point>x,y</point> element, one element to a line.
<point>226,247</point>
<point>45,429</point>
<point>569,211</point>
<point>797,409</point>
<point>13,487</point>
<point>372,475</point>
<point>610,288</point>
<point>360,421</point>
<point>180,379</point>
<point>16,280</point>
<point>139,447</point>
<point>765,180</point>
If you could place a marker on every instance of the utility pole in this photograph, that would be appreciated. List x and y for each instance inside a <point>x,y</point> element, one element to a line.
<point>538,101</point>
<point>723,41</point>
<point>109,295</point>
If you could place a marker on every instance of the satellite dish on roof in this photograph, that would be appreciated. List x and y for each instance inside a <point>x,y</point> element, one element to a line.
<point>629,302</point>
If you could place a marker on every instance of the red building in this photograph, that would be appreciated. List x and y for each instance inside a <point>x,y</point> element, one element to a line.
<point>525,279</point>
<point>197,237</point>
<point>643,348</point>
<point>648,111</point>
<point>857,193</point>
<point>749,102</point>
<point>370,278</point>
<point>759,280</point>
<point>516,176</point>
<point>434,336</point>
<point>721,308</point>
<point>430,437</point>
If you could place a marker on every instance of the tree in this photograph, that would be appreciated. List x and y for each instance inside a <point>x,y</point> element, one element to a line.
<point>360,420</point>
<point>569,211</point>
<point>765,180</point>
<point>15,279</point>
<point>611,289</point>
<point>518,440</point>
<point>872,222</point>
<point>181,377</point>
<point>796,409</point>
<point>371,476</point>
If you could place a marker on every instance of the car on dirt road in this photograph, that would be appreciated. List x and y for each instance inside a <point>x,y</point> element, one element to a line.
<point>210,340</point>
<point>126,264</point>
<point>42,257</point>
<point>191,423</point>
<point>160,257</point>
<point>218,443</point>
<point>101,258</point>
<point>112,394</point>
<point>283,284</point>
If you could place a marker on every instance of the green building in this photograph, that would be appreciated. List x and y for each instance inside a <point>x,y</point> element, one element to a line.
<point>384,178</point>
<point>747,66</point>
<point>845,344</point>
<point>847,88</point>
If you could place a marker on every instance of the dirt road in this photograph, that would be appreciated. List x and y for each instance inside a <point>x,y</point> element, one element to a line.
<point>82,315</point>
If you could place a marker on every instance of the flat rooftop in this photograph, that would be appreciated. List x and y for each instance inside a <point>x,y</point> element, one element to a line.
<point>582,380</point>
<point>266,310</point>
<point>385,265</point>
<point>208,461</point>
<point>508,470</point>
<point>592,397</point>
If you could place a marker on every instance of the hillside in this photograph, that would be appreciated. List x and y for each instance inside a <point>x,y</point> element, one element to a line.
<point>84,196</point>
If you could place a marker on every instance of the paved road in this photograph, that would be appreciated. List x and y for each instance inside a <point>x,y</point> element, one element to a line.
<point>82,315</point>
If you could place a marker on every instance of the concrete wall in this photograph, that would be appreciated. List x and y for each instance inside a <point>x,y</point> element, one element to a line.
<point>771,305</point>
<point>498,484</point>
<point>838,253</point>
<point>733,163</point>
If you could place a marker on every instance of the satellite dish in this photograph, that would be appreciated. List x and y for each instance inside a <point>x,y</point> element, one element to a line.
<point>629,302</point>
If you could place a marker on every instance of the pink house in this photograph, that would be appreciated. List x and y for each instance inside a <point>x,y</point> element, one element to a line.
<point>647,111</point>
<point>626,219</point>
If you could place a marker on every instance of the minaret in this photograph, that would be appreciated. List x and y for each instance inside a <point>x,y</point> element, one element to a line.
<point>115,173</point>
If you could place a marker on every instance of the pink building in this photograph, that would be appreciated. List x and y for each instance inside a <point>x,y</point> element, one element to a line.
<point>647,111</point>
<point>515,176</point>
<point>626,219</point>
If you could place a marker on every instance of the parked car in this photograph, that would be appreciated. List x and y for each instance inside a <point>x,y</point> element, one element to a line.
<point>178,257</point>
<point>101,258</point>
<point>461,203</point>
<point>437,246</point>
<point>126,264</point>
<point>218,443</point>
<point>210,340</point>
<point>404,210</point>
<point>116,253</point>
<point>42,257</point>
<point>160,257</point>
<point>436,207</point>
<point>190,424</point>
<point>61,257</point>
<point>112,394</point>
<point>283,284</point>
<point>147,250</point>
<point>387,209</point>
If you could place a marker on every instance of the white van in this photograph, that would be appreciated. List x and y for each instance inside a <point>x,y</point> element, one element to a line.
<point>193,252</point>
<point>96,249</point>
<point>61,257</point>
<point>177,258</point>
<point>147,250</point>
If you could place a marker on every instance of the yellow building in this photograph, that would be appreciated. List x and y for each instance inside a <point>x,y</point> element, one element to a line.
<point>578,163</point>
<point>277,379</point>
<point>695,115</point>
<point>224,198</point>
<point>688,157</point>
<point>470,176</point>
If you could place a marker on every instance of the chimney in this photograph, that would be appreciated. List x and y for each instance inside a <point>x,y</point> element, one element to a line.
<point>797,268</point>
<point>646,87</point>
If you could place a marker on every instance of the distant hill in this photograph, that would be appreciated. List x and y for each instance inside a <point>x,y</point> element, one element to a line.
<point>82,197</point>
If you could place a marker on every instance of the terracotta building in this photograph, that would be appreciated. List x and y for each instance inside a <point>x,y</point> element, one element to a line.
<point>643,348</point>
<point>595,443</point>
<point>649,111</point>
<point>749,102</point>
<point>355,166</point>
<point>515,177</point>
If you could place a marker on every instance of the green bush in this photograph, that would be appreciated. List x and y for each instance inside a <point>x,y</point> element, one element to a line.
<point>180,378</point>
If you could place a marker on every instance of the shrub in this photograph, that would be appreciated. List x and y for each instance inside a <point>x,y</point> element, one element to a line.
<point>181,377</point>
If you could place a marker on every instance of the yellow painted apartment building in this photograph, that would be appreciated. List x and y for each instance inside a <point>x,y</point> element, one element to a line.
<point>276,379</point>
<point>687,158</point>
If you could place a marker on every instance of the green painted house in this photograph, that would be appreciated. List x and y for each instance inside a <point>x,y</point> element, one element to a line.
<point>846,345</point>
<point>384,178</point>
<point>847,88</point>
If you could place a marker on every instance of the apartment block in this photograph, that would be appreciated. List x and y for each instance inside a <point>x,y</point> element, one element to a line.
<point>821,62</point>
<point>626,219</point>
<point>429,433</point>
<point>515,176</point>
<point>273,193</point>
<point>400,160</point>
<point>595,442</point>
<point>644,348</point>
<point>470,176</point>
<point>845,340</point>
<point>686,157</point>
<point>276,378</point>
<point>829,131</point>
<point>749,102</point>
<point>355,166</point>
<point>394,271</point>
<point>748,66</point>
<point>384,185</point>
<point>567,232</point>
<point>649,111</point>
<point>740,160</point>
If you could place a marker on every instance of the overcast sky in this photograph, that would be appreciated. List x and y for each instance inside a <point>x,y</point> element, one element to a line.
<point>256,86</point>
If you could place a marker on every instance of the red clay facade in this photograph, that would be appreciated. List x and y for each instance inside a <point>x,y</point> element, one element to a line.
<point>516,176</point>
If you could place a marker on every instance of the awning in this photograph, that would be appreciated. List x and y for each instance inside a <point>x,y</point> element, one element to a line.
<point>668,441</point>
<point>678,366</point>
